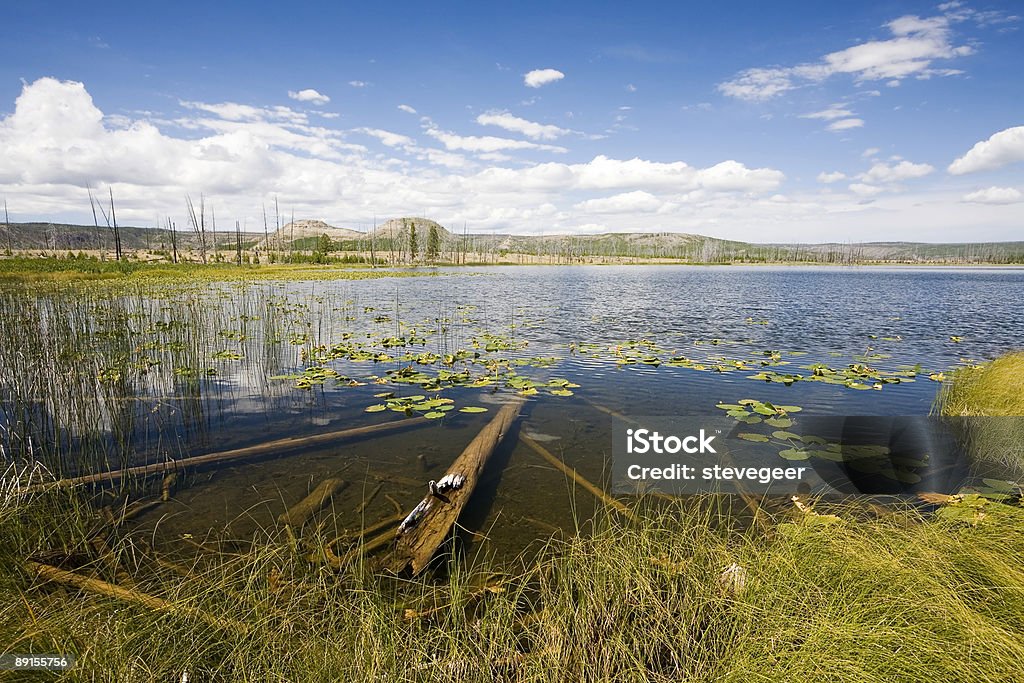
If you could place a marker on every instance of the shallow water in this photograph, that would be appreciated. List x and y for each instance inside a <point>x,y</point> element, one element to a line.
<point>581,316</point>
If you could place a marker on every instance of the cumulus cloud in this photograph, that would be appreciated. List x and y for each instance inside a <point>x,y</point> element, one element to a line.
<point>626,202</point>
<point>539,77</point>
<point>57,141</point>
<point>894,173</point>
<point>865,190</point>
<point>406,108</point>
<point>833,177</point>
<point>514,124</point>
<point>914,44</point>
<point>1003,148</point>
<point>309,95</point>
<point>994,195</point>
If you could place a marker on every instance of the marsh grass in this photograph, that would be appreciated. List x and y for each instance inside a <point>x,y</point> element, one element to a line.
<point>992,393</point>
<point>832,599</point>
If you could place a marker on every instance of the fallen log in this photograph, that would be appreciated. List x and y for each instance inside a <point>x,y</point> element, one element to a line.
<point>299,514</point>
<point>428,525</point>
<point>286,444</point>
<point>111,590</point>
<point>617,505</point>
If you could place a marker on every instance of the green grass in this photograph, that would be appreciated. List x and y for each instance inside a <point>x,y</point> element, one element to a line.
<point>991,397</point>
<point>993,389</point>
<point>902,598</point>
<point>30,270</point>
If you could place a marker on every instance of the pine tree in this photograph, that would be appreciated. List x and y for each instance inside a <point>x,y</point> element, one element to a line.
<point>413,249</point>
<point>433,243</point>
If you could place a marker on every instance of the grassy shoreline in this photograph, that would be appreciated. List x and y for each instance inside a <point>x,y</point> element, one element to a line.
<point>684,594</point>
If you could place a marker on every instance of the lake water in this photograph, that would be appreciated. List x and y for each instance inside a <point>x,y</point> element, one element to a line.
<point>645,340</point>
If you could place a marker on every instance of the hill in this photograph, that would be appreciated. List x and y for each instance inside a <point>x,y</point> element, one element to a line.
<point>302,231</point>
<point>392,236</point>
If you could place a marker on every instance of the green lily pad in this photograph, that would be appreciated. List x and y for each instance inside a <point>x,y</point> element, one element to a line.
<point>757,438</point>
<point>472,409</point>
<point>795,454</point>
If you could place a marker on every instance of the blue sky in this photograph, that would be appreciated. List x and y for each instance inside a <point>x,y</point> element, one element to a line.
<point>797,121</point>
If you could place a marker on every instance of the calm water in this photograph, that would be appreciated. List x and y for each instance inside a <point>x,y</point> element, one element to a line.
<point>577,315</point>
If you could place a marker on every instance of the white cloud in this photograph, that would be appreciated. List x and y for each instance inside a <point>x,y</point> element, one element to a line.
<point>1004,147</point>
<point>845,124</point>
<point>539,77</point>
<point>757,85</point>
<point>358,84</point>
<point>407,109</point>
<point>309,95</point>
<point>536,131</point>
<point>56,140</point>
<point>485,143</point>
<point>233,111</point>
<point>894,173</point>
<point>833,177</point>
<point>870,152</point>
<point>387,137</point>
<point>865,190</point>
<point>915,43</point>
<point>630,87</point>
<point>994,195</point>
<point>626,202</point>
<point>836,111</point>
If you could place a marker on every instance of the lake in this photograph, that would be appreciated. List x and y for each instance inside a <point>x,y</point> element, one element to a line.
<point>190,369</point>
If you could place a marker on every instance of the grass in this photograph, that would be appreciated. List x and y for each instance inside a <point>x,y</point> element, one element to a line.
<point>991,398</point>
<point>993,389</point>
<point>85,269</point>
<point>821,598</point>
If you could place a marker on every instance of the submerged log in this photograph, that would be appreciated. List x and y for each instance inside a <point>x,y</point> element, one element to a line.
<point>618,506</point>
<point>427,527</point>
<point>299,514</point>
<point>285,444</point>
<point>111,590</point>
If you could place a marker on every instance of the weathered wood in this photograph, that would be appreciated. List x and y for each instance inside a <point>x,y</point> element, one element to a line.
<point>416,545</point>
<point>369,499</point>
<point>618,506</point>
<point>286,444</point>
<point>111,590</point>
<point>299,514</point>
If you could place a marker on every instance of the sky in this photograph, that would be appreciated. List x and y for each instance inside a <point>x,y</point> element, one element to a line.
<point>766,122</point>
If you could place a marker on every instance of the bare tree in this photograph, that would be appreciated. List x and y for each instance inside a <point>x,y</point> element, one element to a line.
<point>7,228</point>
<point>238,243</point>
<point>198,223</point>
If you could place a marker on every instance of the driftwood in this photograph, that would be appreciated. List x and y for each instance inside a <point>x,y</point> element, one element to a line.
<point>285,444</point>
<point>416,544</point>
<point>299,514</point>
<point>577,477</point>
<point>111,590</point>
<point>369,499</point>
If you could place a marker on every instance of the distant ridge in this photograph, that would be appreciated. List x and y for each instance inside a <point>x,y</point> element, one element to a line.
<point>302,235</point>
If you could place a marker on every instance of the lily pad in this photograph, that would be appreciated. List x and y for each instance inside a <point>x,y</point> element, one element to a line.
<point>757,438</point>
